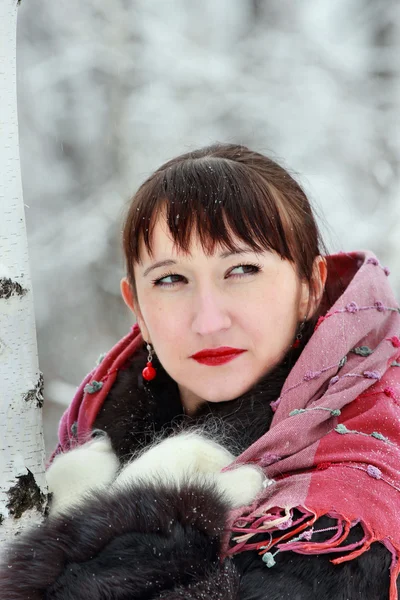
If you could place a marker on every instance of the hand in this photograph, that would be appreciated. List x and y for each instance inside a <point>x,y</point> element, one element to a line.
<point>191,457</point>
<point>86,468</point>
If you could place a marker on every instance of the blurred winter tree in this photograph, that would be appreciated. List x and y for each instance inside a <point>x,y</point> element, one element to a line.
<point>23,490</point>
<point>108,89</point>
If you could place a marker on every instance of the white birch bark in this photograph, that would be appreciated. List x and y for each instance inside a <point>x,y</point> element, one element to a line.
<point>23,491</point>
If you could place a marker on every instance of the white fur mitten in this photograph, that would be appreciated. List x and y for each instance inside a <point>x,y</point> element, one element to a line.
<point>192,457</point>
<point>86,468</point>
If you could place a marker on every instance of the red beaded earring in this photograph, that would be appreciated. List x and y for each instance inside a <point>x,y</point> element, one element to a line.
<point>149,371</point>
<point>299,335</point>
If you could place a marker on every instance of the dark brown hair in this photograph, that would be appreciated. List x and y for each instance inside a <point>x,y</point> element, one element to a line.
<point>221,191</point>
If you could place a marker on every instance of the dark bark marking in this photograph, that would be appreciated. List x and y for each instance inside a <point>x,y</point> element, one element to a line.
<point>10,288</point>
<point>3,345</point>
<point>25,495</point>
<point>36,394</point>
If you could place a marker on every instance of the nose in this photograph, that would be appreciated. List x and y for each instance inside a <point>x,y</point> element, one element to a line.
<point>210,314</point>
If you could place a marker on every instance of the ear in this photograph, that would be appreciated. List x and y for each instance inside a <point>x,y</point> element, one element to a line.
<point>312,292</point>
<point>133,305</point>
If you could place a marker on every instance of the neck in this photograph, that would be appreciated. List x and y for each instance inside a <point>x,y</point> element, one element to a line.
<point>190,401</point>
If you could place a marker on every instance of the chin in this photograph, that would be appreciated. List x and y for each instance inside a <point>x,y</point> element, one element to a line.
<point>224,393</point>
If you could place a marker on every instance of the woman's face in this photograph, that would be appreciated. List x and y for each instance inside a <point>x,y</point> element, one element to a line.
<point>247,301</point>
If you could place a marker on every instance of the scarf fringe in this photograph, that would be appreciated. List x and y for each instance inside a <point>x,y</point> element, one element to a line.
<point>299,539</point>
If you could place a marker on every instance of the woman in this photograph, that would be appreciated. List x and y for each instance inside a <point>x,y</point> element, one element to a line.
<point>268,376</point>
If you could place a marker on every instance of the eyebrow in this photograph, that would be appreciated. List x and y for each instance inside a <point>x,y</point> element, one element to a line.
<point>168,262</point>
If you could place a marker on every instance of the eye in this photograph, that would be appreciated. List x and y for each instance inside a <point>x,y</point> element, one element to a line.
<point>247,269</point>
<point>170,280</point>
<point>174,278</point>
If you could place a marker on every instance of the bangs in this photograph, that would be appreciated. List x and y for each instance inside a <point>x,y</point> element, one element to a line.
<point>217,200</point>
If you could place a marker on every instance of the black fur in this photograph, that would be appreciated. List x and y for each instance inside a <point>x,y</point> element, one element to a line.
<point>154,542</point>
<point>136,543</point>
<point>149,542</point>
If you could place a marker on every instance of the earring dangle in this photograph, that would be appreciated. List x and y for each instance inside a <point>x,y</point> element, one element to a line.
<point>149,371</point>
<point>299,335</point>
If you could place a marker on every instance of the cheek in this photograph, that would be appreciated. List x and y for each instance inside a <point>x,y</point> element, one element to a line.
<point>280,295</point>
<point>273,310</point>
<point>165,325</point>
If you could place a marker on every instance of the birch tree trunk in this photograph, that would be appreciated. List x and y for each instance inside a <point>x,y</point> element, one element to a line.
<point>23,491</point>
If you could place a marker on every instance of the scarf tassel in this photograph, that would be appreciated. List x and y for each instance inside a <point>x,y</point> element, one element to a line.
<point>298,540</point>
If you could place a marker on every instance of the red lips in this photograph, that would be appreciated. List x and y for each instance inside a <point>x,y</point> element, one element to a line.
<point>217,356</point>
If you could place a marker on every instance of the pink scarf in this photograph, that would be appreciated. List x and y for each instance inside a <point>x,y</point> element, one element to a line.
<point>334,444</point>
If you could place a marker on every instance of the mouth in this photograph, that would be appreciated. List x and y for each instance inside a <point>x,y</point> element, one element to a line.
<point>217,356</point>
